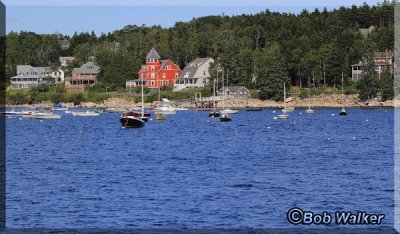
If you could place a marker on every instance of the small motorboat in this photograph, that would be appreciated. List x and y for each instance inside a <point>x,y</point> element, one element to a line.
<point>229,111</point>
<point>42,115</point>
<point>85,113</point>
<point>225,118</point>
<point>283,116</point>
<point>160,117</point>
<point>59,107</point>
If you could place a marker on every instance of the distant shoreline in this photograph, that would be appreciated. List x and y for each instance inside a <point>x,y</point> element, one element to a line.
<point>320,101</point>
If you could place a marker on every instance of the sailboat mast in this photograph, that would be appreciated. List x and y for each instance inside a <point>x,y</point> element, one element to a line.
<point>214,91</point>
<point>223,90</point>
<point>284,96</point>
<point>342,89</point>
<point>309,93</point>
<point>142,101</point>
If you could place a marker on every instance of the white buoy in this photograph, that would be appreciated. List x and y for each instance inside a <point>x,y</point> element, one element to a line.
<point>301,113</point>
<point>333,114</point>
<point>354,138</point>
<point>275,118</point>
<point>20,118</point>
<point>273,112</point>
<point>367,120</point>
<point>41,121</point>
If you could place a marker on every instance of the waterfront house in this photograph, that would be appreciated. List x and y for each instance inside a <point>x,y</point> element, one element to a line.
<point>28,76</point>
<point>234,92</point>
<point>157,72</point>
<point>381,61</point>
<point>82,77</point>
<point>195,74</point>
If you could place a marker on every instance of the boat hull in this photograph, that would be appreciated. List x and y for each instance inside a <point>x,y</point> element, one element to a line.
<point>225,119</point>
<point>131,122</point>
<point>214,114</point>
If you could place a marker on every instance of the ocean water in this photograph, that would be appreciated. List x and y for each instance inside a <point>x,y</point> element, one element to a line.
<point>194,171</point>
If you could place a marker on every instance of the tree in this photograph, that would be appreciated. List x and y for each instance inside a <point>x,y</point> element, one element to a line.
<point>368,85</point>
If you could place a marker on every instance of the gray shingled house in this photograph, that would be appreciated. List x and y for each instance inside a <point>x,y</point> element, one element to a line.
<point>195,74</point>
<point>28,76</point>
<point>234,92</point>
<point>82,77</point>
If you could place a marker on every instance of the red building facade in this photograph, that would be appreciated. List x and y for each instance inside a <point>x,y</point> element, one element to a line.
<point>157,72</point>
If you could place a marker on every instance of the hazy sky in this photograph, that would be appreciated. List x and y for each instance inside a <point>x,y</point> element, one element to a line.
<point>68,16</point>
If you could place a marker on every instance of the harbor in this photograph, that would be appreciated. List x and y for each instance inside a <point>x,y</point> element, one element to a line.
<point>194,171</point>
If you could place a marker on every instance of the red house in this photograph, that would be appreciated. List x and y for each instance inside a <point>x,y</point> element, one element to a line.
<point>157,72</point>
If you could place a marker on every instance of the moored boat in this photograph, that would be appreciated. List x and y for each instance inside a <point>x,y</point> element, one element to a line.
<point>129,120</point>
<point>42,115</point>
<point>85,113</point>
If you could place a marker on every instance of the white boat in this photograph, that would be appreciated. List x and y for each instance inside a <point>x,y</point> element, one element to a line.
<point>42,115</point>
<point>165,110</point>
<point>181,109</point>
<point>284,115</point>
<point>229,111</point>
<point>288,109</point>
<point>85,113</point>
<point>224,112</point>
<point>116,110</point>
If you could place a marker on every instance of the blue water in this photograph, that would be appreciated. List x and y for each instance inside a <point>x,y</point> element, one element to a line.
<point>193,171</point>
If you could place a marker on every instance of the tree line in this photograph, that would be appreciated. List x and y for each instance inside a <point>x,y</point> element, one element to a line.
<point>261,51</point>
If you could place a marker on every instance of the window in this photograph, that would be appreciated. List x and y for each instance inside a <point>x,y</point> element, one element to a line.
<point>152,75</point>
<point>164,75</point>
<point>176,75</point>
<point>166,82</point>
<point>152,68</point>
<point>161,83</point>
<point>155,60</point>
<point>168,67</point>
<point>152,83</point>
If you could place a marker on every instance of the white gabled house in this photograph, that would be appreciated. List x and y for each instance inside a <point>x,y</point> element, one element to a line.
<point>195,74</point>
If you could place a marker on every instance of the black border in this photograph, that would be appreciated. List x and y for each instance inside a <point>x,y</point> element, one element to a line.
<point>2,120</point>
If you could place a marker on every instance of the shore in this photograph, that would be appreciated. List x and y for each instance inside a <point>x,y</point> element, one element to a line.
<point>320,101</point>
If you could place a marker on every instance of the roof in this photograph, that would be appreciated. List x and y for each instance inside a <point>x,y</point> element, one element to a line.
<point>87,68</point>
<point>389,54</point>
<point>153,54</point>
<point>26,68</point>
<point>192,67</point>
<point>233,88</point>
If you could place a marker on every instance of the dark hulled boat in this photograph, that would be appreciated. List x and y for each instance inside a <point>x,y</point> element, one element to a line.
<point>253,109</point>
<point>343,112</point>
<point>131,120</point>
<point>214,114</point>
<point>225,118</point>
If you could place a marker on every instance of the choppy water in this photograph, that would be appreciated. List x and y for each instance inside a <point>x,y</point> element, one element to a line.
<point>193,171</point>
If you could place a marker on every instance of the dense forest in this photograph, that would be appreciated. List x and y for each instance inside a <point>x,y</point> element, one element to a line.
<point>261,51</point>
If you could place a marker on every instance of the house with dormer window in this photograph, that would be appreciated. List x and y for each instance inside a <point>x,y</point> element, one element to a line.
<point>28,76</point>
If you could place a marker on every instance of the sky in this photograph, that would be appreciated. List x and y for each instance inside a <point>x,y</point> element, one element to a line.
<point>103,16</point>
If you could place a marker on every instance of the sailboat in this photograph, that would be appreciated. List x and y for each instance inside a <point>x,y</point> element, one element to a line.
<point>132,120</point>
<point>309,110</point>
<point>224,116</point>
<point>159,111</point>
<point>228,111</point>
<point>214,113</point>
<point>343,111</point>
<point>284,115</point>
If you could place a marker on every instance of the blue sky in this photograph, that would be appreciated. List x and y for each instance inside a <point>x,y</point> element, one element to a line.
<point>68,16</point>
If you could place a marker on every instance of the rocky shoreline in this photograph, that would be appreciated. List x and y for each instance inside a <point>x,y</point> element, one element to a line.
<point>320,101</point>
